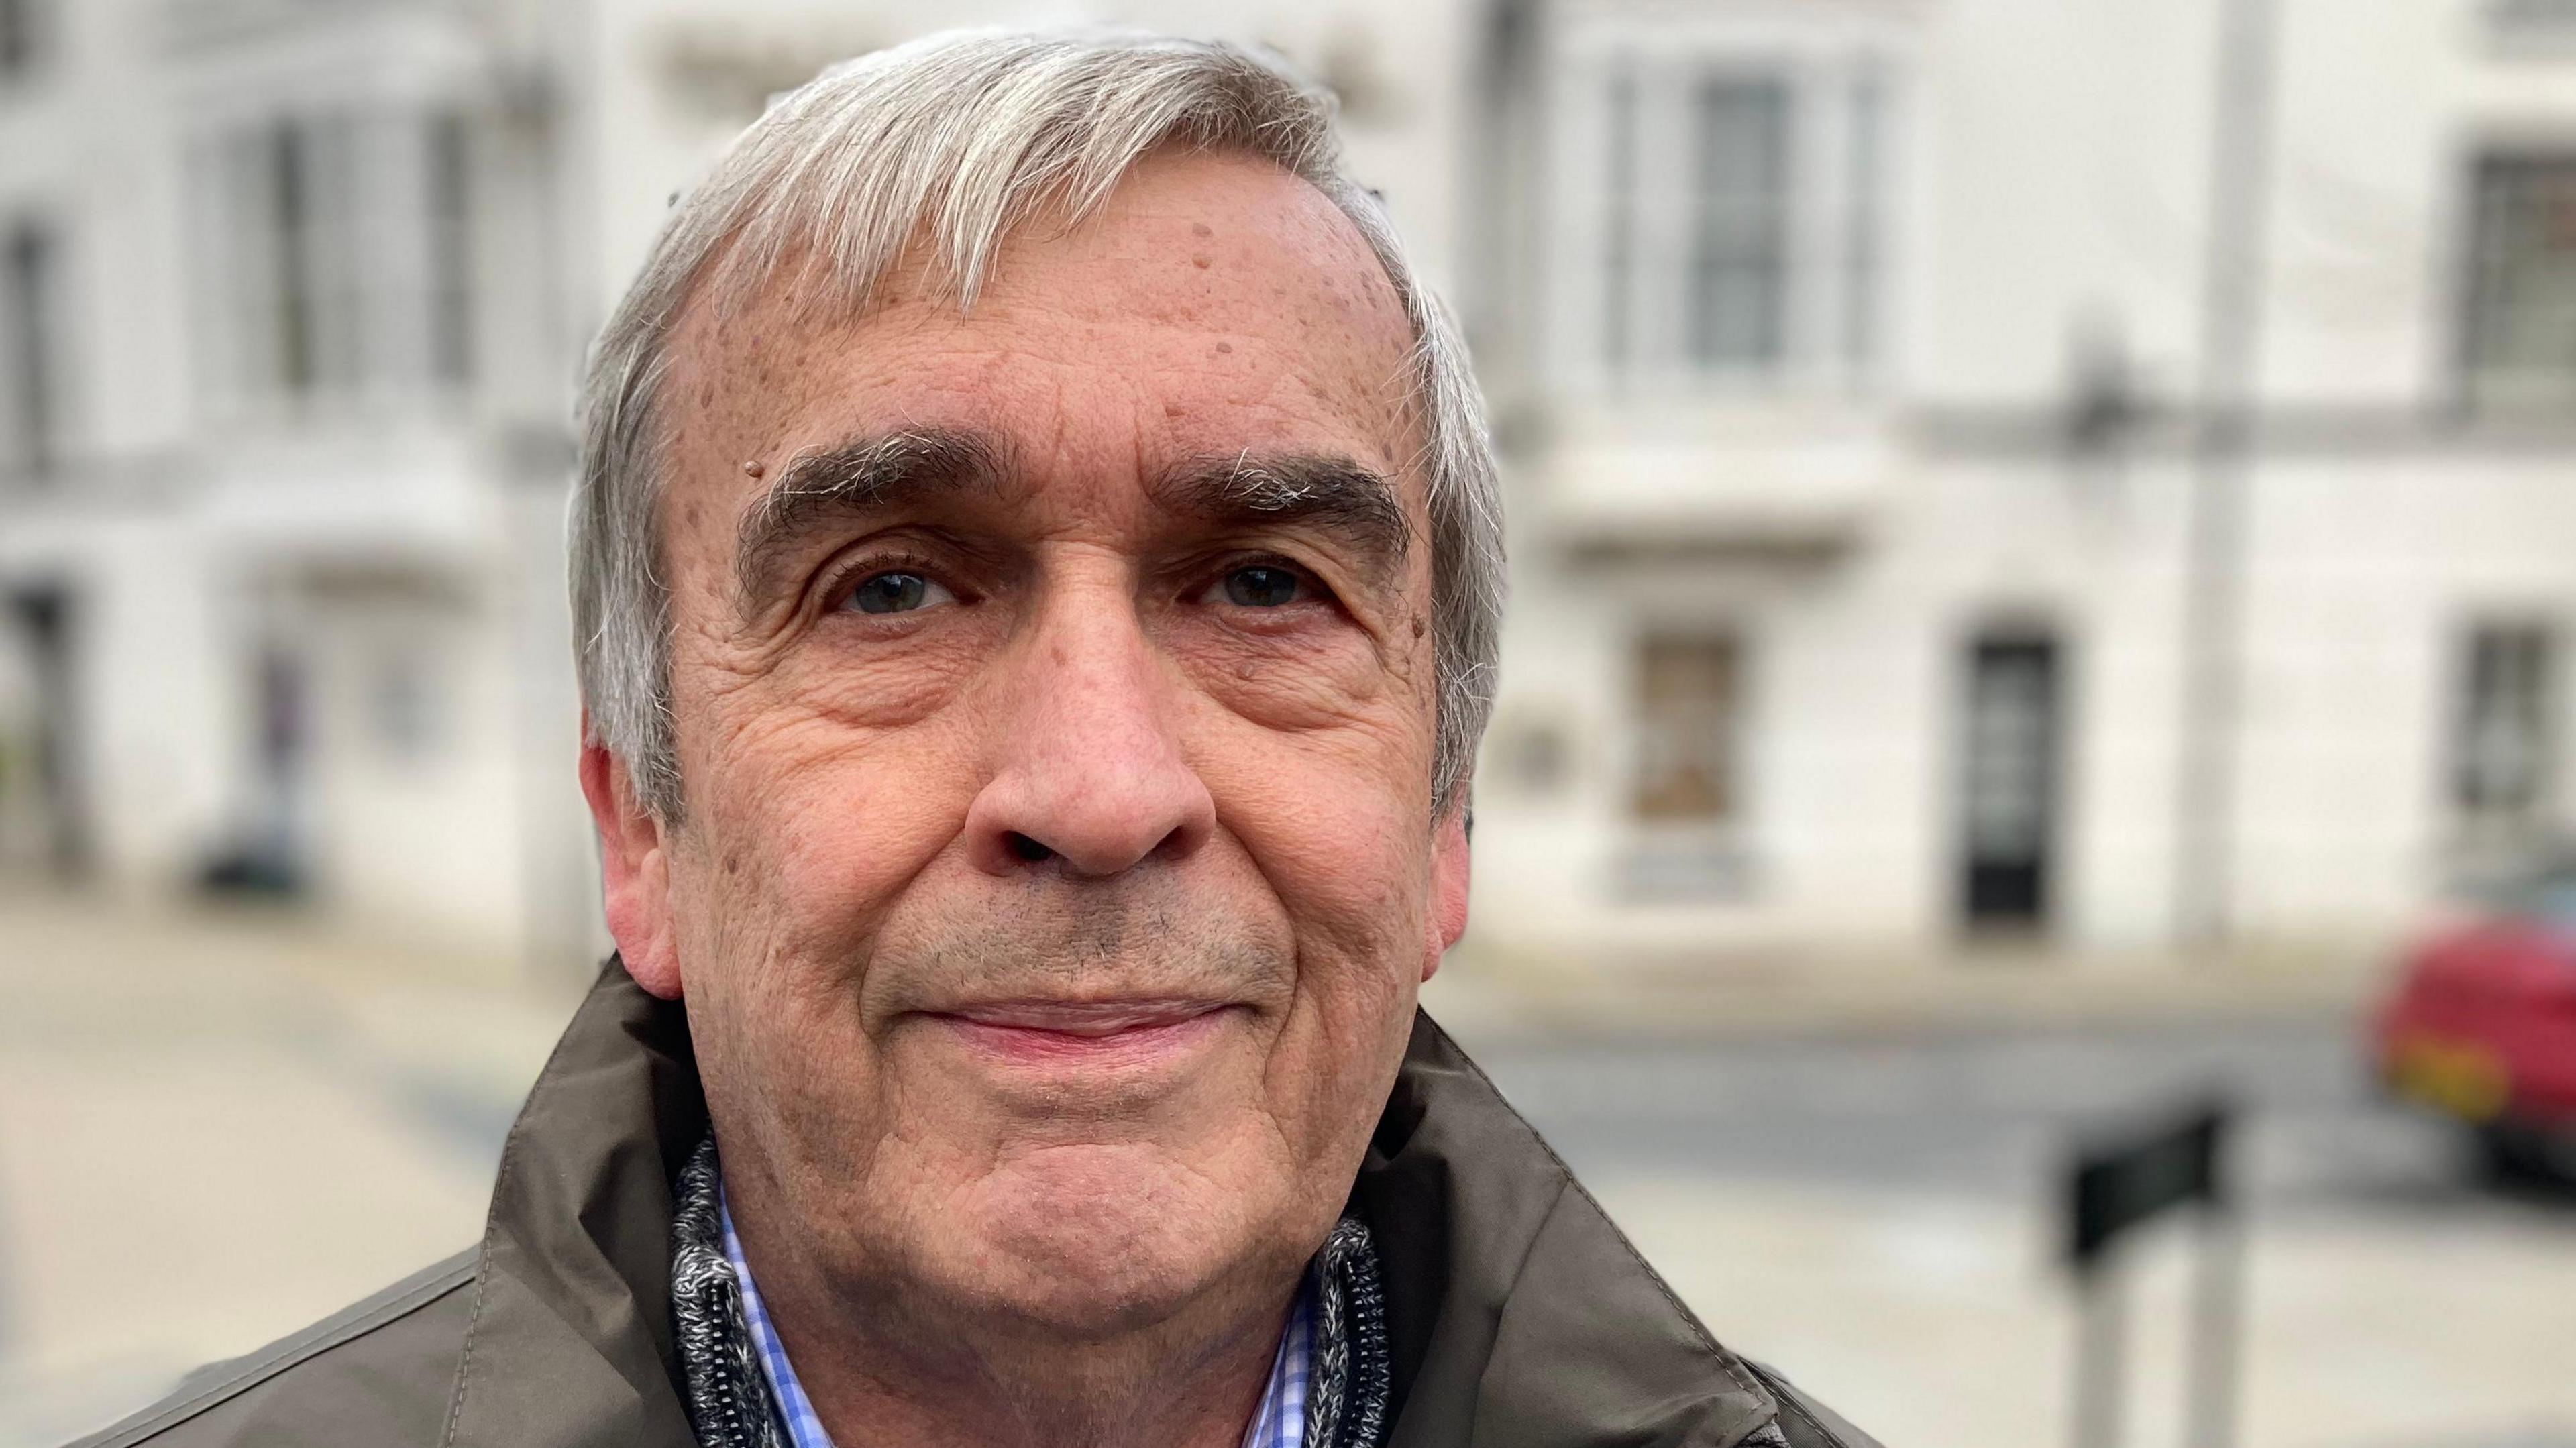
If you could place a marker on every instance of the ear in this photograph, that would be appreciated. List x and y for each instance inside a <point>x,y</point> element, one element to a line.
<point>1449,872</point>
<point>634,869</point>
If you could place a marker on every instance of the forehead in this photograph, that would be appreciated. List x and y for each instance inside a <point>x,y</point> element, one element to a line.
<point>1214,302</point>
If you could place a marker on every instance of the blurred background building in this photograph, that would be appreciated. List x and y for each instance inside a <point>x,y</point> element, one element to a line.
<point>2096,472</point>
<point>1981,470</point>
<point>290,330</point>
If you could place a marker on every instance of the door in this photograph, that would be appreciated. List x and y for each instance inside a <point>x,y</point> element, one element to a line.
<point>2009,781</point>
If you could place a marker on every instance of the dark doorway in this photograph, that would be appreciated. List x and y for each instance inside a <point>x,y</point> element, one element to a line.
<point>265,853</point>
<point>2009,781</point>
<point>46,620</point>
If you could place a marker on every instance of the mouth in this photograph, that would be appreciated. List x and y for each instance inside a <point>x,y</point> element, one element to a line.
<point>1096,1034</point>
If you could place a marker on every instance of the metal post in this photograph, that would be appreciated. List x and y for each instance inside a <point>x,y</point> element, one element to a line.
<point>2213,603</point>
<point>2101,1351</point>
<point>2218,1310</point>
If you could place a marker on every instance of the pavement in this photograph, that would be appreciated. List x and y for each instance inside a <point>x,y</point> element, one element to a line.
<point>215,1127</point>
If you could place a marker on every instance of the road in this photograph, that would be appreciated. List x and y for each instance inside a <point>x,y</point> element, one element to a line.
<point>1880,1217</point>
<point>1980,1114</point>
<point>215,1129</point>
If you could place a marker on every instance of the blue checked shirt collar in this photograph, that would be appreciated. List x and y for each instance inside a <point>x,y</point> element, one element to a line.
<point>1280,1422</point>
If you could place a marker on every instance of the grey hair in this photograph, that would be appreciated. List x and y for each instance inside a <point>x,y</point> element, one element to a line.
<point>949,142</point>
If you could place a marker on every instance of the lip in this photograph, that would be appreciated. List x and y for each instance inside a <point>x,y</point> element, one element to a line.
<point>1097,1034</point>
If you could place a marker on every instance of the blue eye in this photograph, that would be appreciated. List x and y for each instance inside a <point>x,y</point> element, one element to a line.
<point>895,592</point>
<point>1261,586</point>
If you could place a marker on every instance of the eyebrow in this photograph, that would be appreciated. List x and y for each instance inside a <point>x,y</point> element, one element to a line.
<point>1331,494</point>
<point>857,479</point>
<point>875,475</point>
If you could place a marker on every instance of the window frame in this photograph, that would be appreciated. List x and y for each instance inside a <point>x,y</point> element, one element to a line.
<point>2548,696</point>
<point>1690,858</point>
<point>383,248</point>
<point>1649,806</point>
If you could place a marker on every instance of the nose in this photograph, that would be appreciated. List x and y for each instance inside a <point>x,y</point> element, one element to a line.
<point>1091,777</point>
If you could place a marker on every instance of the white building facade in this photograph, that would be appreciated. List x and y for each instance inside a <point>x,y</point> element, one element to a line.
<point>1846,358</point>
<point>280,533</point>
<point>1862,476</point>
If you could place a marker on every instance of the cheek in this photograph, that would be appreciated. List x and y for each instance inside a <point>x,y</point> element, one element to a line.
<point>1320,763</point>
<point>1340,798</point>
<point>797,857</point>
<point>1356,889</point>
<point>1319,708</point>
<point>812,828</point>
<point>1347,855</point>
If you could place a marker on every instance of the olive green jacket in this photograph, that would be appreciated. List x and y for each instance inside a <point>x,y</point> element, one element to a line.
<point>1517,1316</point>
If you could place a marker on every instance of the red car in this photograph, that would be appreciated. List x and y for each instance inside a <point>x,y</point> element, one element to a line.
<point>2482,1027</point>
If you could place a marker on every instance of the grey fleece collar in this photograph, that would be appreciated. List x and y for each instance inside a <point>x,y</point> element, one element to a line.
<point>729,1400</point>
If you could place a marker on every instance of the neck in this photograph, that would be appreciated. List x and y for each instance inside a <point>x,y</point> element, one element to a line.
<point>884,1366</point>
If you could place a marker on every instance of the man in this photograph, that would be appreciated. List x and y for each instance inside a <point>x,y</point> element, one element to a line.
<point>1036,568</point>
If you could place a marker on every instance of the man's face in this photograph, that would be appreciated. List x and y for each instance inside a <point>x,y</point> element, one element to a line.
<point>1054,698</point>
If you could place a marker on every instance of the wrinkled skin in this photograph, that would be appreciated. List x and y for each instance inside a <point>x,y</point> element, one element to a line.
<point>1079,756</point>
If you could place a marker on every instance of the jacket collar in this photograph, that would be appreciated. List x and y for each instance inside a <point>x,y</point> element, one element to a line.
<point>1516,1312</point>
<point>569,1344</point>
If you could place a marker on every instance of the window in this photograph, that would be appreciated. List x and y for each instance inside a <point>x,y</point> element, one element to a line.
<point>449,215</point>
<point>289,196</point>
<point>1619,218</point>
<point>346,262</point>
<point>2504,740</point>
<point>2517,24</point>
<point>1687,800</point>
<point>1863,217</point>
<point>1738,277</point>
<point>2520,333</point>
<point>20,40</point>
<point>405,705</point>
<point>1736,208</point>
<point>29,406</point>
<point>1688,701</point>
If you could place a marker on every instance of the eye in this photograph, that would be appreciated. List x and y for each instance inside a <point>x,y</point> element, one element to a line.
<point>1262,585</point>
<point>897,591</point>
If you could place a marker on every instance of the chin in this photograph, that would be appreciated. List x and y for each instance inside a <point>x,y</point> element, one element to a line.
<point>1095,1241</point>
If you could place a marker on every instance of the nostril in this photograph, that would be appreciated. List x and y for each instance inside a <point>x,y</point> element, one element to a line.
<point>1028,849</point>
